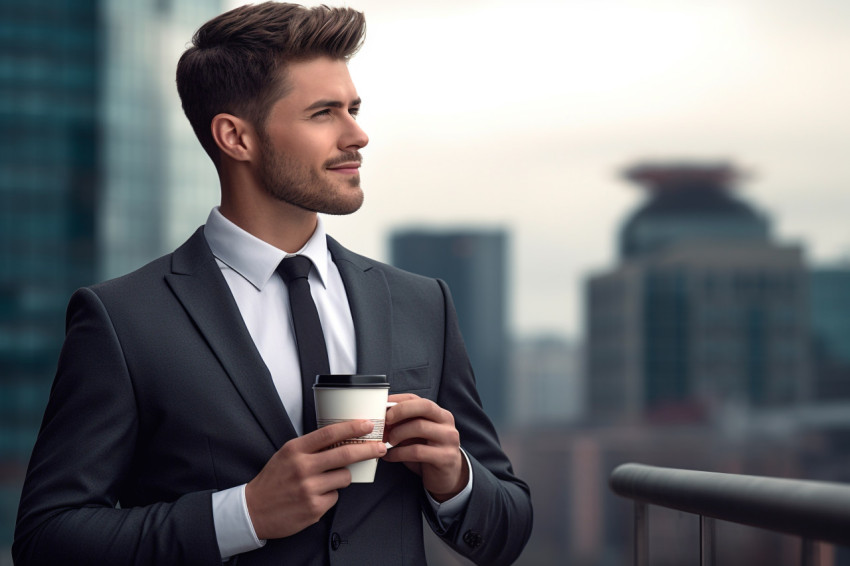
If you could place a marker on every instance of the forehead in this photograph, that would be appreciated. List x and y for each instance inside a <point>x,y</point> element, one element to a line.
<point>321,78</point>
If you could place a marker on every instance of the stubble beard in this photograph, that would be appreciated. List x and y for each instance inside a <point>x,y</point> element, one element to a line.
<point>292,182</point>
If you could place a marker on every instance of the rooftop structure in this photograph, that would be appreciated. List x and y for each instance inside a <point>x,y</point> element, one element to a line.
<point>704,308</point>
<point>688,201</point>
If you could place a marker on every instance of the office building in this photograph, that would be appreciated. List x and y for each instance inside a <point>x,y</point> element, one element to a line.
<point>474,264</point>
<point>546,386</point>
<point>830,324</point>
<point>93,170</point>
<point>49,176</point>
<point>159,184</point>
<point>704,308</point>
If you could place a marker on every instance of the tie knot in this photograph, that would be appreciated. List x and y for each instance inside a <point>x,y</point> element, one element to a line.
<point>293,267</point>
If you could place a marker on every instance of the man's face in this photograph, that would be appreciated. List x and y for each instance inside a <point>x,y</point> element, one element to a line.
<point>310,142</point>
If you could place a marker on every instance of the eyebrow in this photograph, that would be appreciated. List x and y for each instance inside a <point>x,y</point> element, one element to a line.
<point>332,104</point>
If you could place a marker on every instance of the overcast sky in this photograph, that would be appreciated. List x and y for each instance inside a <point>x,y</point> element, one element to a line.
<point>522,114</point>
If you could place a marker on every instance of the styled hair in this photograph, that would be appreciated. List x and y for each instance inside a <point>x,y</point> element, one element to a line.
<point>237,61</point>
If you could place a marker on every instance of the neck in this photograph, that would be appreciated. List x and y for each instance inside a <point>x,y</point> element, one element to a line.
<point>276,222</point>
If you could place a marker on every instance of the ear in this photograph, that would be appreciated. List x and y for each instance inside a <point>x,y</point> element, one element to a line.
<point>234,136</point>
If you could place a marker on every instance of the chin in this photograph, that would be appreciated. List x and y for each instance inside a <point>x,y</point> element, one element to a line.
<point>346,206</point>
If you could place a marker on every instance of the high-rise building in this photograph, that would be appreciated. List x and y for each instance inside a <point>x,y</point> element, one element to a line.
<point>829,291</point>
<point>95,171</point>
<point>49,183</point>
<point>473,263</point>
<point>159,184</point>
<point>546,386</point>
<point>703,308</point>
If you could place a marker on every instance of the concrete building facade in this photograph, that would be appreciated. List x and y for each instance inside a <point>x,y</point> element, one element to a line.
<point>703,309</point>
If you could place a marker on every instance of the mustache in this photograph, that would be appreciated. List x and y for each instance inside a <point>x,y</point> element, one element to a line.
<point>346,157</point>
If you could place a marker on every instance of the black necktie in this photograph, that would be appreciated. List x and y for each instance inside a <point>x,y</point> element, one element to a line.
<point>312,352</point>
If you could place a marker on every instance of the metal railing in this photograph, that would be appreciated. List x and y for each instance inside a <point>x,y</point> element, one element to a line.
<point>812,510</point>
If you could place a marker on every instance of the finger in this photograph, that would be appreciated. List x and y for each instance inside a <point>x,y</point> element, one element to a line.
<point>345,454</point>
<point>419,408</point>
<point>328,482</point>
<point>423,431</point>
<point>421,454</point>
<point>330,435</point>
<point>398,454</point>
<point>402,397</point>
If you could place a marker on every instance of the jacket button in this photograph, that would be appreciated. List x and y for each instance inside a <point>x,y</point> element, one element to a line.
<point>335,541</point>
<point>473,539</point>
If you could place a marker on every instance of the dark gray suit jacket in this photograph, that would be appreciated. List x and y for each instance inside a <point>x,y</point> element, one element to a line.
<point>161,398</point>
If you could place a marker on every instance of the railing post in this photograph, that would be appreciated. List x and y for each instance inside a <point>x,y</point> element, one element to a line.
<point>641,534</point>
<point>809,553</point>
<point>707,546</point>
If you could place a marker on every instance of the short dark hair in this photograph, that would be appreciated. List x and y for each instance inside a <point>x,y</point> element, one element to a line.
<point>237,61</point>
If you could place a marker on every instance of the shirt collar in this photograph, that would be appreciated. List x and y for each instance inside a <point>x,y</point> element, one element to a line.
<point>254,259</point>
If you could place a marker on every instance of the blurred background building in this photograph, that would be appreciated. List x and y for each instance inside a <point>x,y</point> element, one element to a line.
<point>158,185</point>
<point>94,181</point>
<point>709,342</point>
<point>546,381</point>
<point>829,289</point>
<point>704,308</point>
<point>49,184</point>
<point>474,263</point>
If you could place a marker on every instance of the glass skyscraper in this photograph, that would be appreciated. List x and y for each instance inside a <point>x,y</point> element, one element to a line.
<point>474,265</point>
<point>99,173</point>
<point>830,307</point>
<point>49,187</point>
<point>159,182</point>
<point>704,308</point>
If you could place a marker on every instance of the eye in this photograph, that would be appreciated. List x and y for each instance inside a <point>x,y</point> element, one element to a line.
<point>320,113</point>
<point>354,111</point>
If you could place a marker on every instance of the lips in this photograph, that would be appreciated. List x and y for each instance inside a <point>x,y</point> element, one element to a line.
<point>347,162</point>
<point>348,168</point>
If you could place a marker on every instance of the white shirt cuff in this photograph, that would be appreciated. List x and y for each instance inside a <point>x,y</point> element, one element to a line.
<point>448,510</point>
<point>233,529</point>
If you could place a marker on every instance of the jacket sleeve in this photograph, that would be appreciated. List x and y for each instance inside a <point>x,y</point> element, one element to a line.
<point>496,524</point>
<point>70,510</point>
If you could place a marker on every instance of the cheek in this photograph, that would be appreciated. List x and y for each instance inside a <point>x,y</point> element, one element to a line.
<point>292,141</point>
<point>307,152</point>
<point>309,145</point>
<point>316,144</point>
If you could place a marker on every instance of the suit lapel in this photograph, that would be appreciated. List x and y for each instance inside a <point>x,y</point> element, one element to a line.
<point>371,309</point>
<point>197,282</point>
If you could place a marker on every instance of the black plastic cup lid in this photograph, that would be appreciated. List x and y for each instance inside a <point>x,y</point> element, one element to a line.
<point>351,381</point>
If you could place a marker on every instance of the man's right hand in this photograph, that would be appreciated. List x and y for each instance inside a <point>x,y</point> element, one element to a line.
<point>300,482</point>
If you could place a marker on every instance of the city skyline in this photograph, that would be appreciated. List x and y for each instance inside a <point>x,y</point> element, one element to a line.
<point>531,135</point>
<point>486,114</point>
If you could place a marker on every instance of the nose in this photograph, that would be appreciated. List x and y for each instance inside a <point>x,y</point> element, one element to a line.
<point>354,136</point>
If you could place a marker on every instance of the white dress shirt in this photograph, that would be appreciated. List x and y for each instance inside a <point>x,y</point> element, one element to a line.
<point>248,265</point>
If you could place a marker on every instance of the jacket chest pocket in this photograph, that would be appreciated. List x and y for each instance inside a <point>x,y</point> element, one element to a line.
<point>416,379</point>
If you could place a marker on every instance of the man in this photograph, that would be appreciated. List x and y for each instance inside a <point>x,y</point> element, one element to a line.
<point>175,431</point>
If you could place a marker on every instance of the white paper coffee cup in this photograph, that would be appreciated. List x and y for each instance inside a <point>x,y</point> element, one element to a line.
<point>342,398</point>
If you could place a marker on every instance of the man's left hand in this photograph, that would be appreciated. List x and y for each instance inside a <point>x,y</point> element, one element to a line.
<point>424,438</point>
